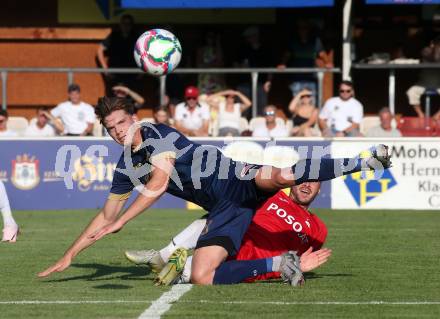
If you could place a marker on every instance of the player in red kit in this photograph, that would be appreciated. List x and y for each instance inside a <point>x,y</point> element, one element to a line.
<point>282,223</point>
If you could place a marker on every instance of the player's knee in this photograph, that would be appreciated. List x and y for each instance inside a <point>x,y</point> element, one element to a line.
<point>202,274</point>
<point>201,278</point>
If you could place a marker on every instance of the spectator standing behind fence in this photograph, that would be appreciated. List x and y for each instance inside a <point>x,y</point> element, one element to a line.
<point>304,113</point>
<point>341,115</point>
<point>78,117</point>
<point>325,59</point>
<point>428,79</point>
<point>270,127</point>
<point>44,125</point>
<point>118,46</point>
<point>253,54</point>
<point>303,49</point>
<point>210,55</point>
<point>161,115</point>
<point>229,110</point>
<point>4,132</point>
<point>385,129</point>
<point>192,117</point>
<point>123,92</point>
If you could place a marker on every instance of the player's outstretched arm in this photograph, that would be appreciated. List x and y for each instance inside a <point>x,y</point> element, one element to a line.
<point>311,260</point>
<point>153,190</point>
<point>106,216</point>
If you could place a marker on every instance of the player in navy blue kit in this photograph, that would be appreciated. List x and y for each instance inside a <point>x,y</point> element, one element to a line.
<point>159,159</point>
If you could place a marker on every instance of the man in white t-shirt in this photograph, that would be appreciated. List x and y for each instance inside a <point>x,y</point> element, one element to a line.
<point>385,129</point>
<point>192,117</point>
<point>270,128</point>
<point>341,115</point>
<point>4,132</point>
<point>77,117</point>
<point>41,127</point>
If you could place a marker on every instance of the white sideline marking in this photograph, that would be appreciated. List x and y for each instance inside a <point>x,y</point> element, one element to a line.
<point>67,302</point>
<point>164,303</point>
<point>343,303</point>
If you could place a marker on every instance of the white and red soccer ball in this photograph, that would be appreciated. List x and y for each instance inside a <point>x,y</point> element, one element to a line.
<point>157,52</point>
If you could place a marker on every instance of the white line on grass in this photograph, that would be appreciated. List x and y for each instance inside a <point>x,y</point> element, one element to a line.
<point>67,302</point>
<point>163,304</point>
<point>162,300</point>
<point>344,303</point>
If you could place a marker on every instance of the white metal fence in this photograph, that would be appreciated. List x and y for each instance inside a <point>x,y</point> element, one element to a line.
<point>253,73</point>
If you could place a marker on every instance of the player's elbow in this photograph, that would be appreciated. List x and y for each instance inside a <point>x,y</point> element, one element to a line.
<point>155,188</point>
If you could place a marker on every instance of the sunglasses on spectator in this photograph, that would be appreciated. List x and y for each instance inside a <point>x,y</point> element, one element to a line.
<point>191,98</point>
<point>269,113</point>
<point>344,91</point>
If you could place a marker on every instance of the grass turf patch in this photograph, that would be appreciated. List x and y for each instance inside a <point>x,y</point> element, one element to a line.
<point>389,256</point>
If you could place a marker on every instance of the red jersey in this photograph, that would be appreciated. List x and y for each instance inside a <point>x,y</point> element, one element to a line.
<point>280,225</point>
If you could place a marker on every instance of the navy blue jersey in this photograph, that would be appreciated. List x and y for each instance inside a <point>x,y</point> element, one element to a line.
<point>202,174</point>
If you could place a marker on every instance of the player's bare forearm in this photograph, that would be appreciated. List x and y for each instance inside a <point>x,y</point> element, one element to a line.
<point>142,202</point>
<point>153,190</point>
<point>106,216</point>
<point>103,218</point>
<point>83,241</point>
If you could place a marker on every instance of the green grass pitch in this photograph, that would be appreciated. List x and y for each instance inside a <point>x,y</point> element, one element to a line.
<point>387,256</point>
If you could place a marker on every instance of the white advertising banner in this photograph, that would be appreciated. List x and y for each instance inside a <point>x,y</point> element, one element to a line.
<point>413,182</point>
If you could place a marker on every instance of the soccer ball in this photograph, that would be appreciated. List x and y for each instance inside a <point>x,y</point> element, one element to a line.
<point>157,52</point>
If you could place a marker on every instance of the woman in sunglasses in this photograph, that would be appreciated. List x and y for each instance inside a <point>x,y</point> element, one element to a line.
<point>304,113</point>
<point>229,110</point>
<point>272,126</point>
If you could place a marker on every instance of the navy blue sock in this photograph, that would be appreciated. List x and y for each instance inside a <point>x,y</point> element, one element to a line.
<point>324,169</point>
<point>235,271</point>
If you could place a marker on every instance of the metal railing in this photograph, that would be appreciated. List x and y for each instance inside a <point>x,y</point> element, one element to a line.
<point>253,72</point>
<point>392,67</point>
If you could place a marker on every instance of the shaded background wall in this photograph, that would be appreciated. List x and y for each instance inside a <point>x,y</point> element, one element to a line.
<point>52,34</point>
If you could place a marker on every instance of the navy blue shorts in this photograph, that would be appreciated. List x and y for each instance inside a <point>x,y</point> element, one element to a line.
<point>239,186</point>
<point>225,226</point>
<point>237,198</point>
